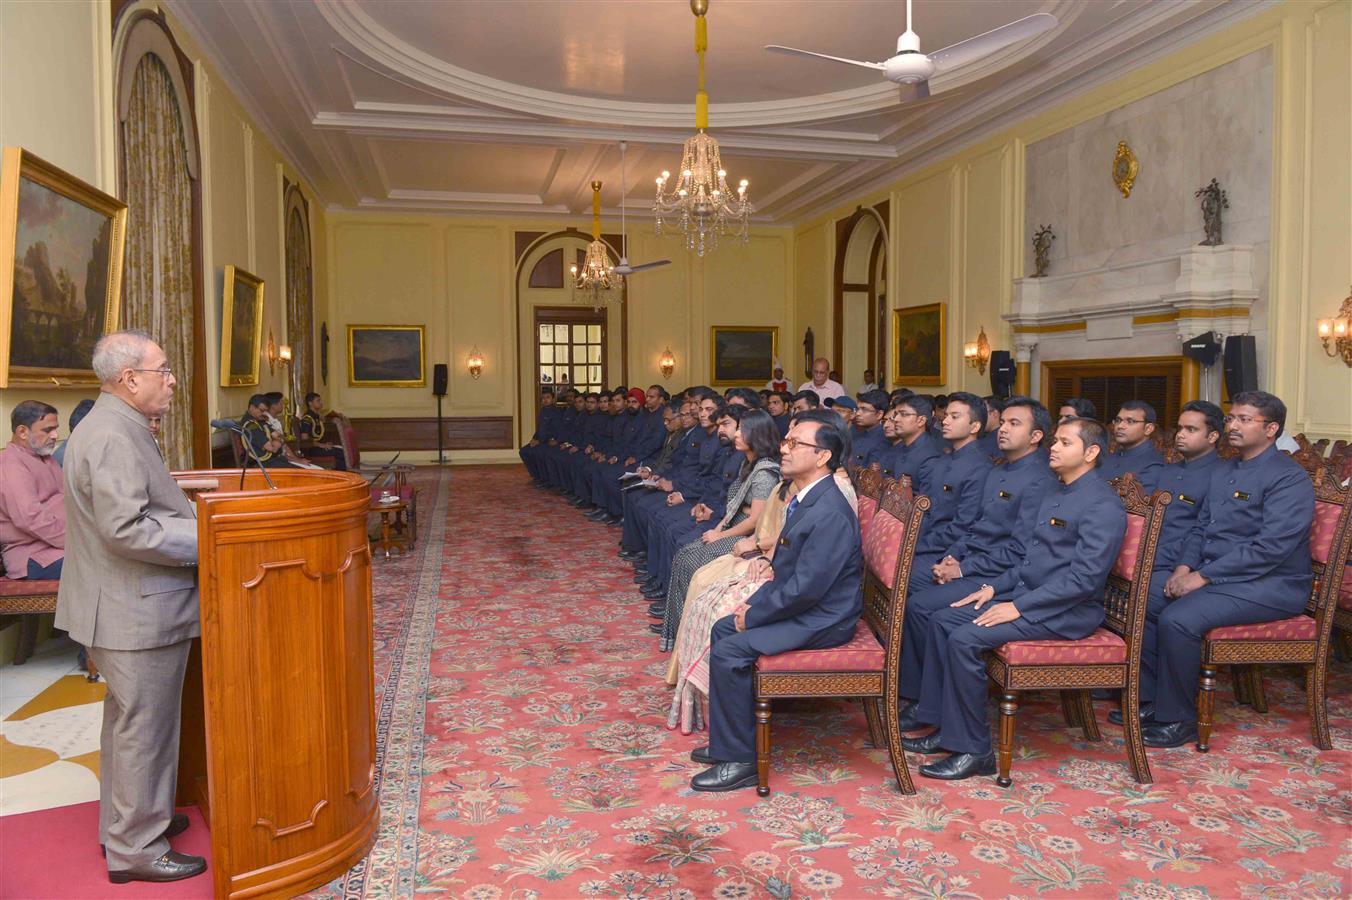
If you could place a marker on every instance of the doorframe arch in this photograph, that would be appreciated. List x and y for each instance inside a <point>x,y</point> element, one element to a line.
<point>868,216</point>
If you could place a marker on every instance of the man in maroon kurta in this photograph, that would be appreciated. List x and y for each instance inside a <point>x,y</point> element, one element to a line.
<point>32,511</point>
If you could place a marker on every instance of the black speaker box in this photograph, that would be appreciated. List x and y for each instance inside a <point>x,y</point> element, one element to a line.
<point>1204,348</point>
<point>439,376</point>
<point>1241,364</point>
<point>1003,373</point>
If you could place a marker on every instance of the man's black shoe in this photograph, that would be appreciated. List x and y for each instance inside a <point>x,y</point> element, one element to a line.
<point>701,756</point>
<point>725,776</point>
<point>655,593</point>
<point>655,627</point>
<point>658,610</point>
<point>640,574</point>
<point>178,823</point>
<point>1169,734</point>
<point>613,521</point>
<point>595,515</point>
<point>927,744</point>
<point>959,766</point>
<point>633,555</point>
<point>1147,714</point>
<point>172,866</point>
<point>906,719</point>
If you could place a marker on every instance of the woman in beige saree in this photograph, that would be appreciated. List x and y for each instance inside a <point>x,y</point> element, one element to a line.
<point>715,591</point>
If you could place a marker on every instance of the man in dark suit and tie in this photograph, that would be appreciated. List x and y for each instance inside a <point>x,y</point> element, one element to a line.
<point>813,602</point>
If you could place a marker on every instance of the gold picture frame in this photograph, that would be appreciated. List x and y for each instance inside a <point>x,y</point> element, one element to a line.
<point>384,356</point>
<point>61,279</point>
<point>241,327</point>
<point>919,347</point>
<point>742,355</point>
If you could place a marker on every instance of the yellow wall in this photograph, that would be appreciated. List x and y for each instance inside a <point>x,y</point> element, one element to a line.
<point>958,233</point>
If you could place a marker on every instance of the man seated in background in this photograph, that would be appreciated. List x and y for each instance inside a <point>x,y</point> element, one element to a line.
<point>915,451</point>
<point>866,436</point>
<point>804,401</point>
<point>311,433</point>
<point>845,407</point>
<point>822,384</point>
<point>268,446</point>
<point>1077,407</point>
<point>76,415</point>
<point>1135,452</point>
<point>777,405</point>
<point>32,511</point>
<point>989,440</point>
<point>1054,593</point>
<point>778,382</point>
<point>870,383</point>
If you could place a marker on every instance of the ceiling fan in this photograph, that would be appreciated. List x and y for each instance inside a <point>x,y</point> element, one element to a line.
<point>624,268</point>
<point>912,69</point>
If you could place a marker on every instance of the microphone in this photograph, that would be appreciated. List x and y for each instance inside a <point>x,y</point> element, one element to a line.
<point>226,425</point>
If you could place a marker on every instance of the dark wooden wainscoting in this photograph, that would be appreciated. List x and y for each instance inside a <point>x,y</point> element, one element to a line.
<point>420,433</point>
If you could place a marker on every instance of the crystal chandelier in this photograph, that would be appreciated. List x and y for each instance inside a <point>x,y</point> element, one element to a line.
<point>700,203</point>
<point>597,277</point>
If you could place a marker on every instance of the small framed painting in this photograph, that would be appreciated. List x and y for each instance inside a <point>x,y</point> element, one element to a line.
<point>241,327</point>
<point>61,271</point>
<point>918,345</point>
<point>385,356</point>
<point>742,355</point>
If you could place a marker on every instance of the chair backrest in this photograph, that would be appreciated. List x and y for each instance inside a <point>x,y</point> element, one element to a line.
<point>1125,595</point>
<point>347,436</point>
<point>887,568</point>
<point>237,447</point>
<point>1330,544</point>
<point>868,487</point>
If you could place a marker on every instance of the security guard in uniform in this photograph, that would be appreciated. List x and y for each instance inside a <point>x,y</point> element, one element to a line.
<point>267,445</point>
<point>312,430</point>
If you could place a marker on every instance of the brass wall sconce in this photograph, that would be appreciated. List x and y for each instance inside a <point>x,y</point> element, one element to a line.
<point>272,354</point>
<point>667,363</point>
<point>475,363</point>
<point>977,354</point>
<point>284,354</point>
<point>1336,334</point>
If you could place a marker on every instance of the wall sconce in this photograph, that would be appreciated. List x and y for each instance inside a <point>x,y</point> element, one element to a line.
<point>978,353</point>
<point>1336,334</point>
<point>475,362</point>
<point>284,354</point>
<point>272,354</point>
<point>667,363</point>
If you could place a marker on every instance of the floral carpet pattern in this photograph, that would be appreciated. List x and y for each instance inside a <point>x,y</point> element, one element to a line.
<point>524,754</point>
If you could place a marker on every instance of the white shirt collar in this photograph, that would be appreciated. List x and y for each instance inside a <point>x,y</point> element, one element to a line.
<point>802,495</point>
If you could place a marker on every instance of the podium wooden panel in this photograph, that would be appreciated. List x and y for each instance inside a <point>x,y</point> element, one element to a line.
<point>279,741</point>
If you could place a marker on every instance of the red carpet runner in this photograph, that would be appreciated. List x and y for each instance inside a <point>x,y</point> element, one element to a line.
<point>532,760</point>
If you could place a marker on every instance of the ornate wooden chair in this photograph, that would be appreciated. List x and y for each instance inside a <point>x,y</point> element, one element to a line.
<point>1108,658</point>
<point>1301,640</point>
<point>28,599</point>
<point>868,666</point>
<point>391,476</point>
<point>868,487</point>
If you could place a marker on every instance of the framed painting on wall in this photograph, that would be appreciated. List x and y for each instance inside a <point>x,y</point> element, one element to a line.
<point>742,355</point>
<point>385,356</point>
<point>918,345</point>
<point>241,327</point>
<point>61,279</point>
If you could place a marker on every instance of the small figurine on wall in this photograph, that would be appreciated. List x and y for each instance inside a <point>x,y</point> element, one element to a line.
<point>1042,248</point>
<point>1213,201</point>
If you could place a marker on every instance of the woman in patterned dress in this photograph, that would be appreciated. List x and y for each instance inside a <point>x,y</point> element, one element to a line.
<point>757,437</point>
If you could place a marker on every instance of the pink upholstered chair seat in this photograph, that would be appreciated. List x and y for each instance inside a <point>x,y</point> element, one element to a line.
<point>1296,628</point>
<point>862,654</point>
<point>1103,647</point>
<point>23,587</point>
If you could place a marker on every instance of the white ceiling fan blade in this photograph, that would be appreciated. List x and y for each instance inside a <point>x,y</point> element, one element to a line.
<point>792,51</point>
<point>992,41</point>
<point>645,266</point>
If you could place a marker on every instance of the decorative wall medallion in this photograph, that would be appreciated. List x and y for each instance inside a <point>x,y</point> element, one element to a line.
<point>1125,168</point>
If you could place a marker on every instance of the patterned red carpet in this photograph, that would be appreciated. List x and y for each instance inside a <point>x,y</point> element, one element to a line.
<point>524,754</point>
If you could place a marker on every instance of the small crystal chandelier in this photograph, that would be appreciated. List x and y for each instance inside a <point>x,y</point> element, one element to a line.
<point>597,277</point>
<point>700,203</point>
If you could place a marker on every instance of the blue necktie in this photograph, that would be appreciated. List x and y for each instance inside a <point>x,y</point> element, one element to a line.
<point>788,513</point>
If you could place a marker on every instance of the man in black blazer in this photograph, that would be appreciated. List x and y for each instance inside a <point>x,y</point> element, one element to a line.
<point>813,602</point>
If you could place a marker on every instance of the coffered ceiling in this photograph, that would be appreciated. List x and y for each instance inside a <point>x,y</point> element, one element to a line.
<point>515,106</point>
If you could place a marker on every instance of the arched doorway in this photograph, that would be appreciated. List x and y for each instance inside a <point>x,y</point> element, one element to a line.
<point>859,315</point>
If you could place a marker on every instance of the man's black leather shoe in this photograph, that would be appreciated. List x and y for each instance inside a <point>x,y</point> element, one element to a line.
<point>927,744</point>
<point>633,555</point>
<point>906,720</point>
<point>654,593</point>
<point>640,574</point>
<point>172,866</point>
<point>959,766</point>
<point>178,823</point>
<point>595,515</point>
<point>1169,734</point>
<point>655,627</point>
<point>1147,714</point>
<point>725,776</point>
<point>658,610</point>
<point>701,756</point>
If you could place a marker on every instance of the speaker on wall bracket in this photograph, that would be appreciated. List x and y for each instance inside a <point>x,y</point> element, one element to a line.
<point>1205,348</point>
<point>1003,372</point>
<point>1241,364</point>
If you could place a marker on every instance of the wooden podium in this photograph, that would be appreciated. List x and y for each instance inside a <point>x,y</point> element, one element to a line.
<point>279,738</point>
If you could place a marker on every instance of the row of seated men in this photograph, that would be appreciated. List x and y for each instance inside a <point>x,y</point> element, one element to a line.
<point>262,427</point>
<point>1013,548</point>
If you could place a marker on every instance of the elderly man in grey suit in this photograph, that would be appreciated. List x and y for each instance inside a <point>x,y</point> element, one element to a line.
<point>129,593</point>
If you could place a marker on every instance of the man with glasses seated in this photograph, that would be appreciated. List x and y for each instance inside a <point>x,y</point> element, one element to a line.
<point>866,435</point>
<point>1246,560</point>
<point>1135,452</point>
<point>268,446</point>
<point>915,452</point>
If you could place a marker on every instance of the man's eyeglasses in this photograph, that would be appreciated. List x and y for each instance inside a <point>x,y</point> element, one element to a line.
<point>793,444</point>
<point>1119,420</point>
<point>1245,419</point>
<point>164,371</point>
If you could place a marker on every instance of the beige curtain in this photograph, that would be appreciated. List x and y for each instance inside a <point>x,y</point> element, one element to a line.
<point>157,286</point>
<point>299,305</point>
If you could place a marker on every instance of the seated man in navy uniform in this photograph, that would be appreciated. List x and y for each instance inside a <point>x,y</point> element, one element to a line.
<point>866,435</point>
<point>989,440</point>
<point>995,543</point>
<point>1199,432</point>
<point>813,602</point>
<point>545,416</point>
<point>1133,429</point>
<point>1055,592</point>
<point>268,446</point>
<point>1247,559</point>
<point>312,432</point>
<point>916,453</point>
<point>956,483</point>
<point>1076,406</point>
<point>777,405</point>
<point>664,423</point>
<point>642,506</point>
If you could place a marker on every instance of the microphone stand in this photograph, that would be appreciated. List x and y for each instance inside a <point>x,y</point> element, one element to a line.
<point>249,453</point>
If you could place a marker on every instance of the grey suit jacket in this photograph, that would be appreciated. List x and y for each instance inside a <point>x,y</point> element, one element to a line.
<point>129,581</point>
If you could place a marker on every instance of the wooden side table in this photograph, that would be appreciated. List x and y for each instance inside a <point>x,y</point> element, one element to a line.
<point>394,534</point>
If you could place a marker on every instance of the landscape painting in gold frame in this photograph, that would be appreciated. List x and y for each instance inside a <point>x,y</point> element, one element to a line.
<point>241,327</point>
<point>918,345</point>
<point>385,356</point>
<point>742,355</point>
<point>61,275</point>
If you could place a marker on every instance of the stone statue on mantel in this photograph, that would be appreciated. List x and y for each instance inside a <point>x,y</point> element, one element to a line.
<point>1042,246</point>
<point>1213,201</point>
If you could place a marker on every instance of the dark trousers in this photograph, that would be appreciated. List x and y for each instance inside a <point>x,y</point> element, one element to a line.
<point>333,453</point>
<point>665,538</point>
<point>49,572</point>
<point>1179,633</point>
<point>953,692</point>
<point>640,507</point>
<point>920,609</point>
<point>922,574</point>
<point>1155,604</point>
<point>732,672</point>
